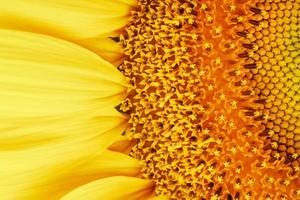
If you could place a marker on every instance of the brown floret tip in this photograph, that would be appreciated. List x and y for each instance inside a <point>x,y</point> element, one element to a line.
<point>198,120</point>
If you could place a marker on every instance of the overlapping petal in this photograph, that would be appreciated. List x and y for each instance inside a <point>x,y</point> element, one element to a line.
<point>51,89</point>
<point>64,77</point>
<point>123,146</point>
<point>51,171</point>
<point>84,22</point>
<point>114,188</point>
<point>57,117</point>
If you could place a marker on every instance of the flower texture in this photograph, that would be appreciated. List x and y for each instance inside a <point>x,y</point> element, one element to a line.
<point>214,108</point>
<point>149,99</point>
<point>61,136</point>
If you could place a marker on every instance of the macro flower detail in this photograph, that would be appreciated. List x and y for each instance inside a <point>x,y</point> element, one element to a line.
<point>195,112</point>
<point>275,36</point>
<point>58,117</point>
<point>149,100</point>
<point>61,136</point>
<point>88,23</point>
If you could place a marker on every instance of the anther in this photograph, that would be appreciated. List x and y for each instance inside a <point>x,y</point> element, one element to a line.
<point>243,55</point>
<point>211,185</point>
<point>232,73</point>
<point>254,22</point>
<point>288,159</point>
<point>255,10</point>
<point>237,196</point>
<point>248,46</point>
<point>267,147</point>
<point>260,101</point>
<point>229,197</point>
<point>247,92</point>
<point>239,83</point>
<point>219,191</point>
<point>264,133</point>
<point>242,34</point>
<point>249,113</point>
<point>250,66</point>
<point>259,118</point>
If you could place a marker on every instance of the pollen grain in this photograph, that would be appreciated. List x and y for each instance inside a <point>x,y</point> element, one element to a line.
<point>194,114</point>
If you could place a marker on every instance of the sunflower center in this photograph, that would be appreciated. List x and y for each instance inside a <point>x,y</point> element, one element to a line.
<point>275,34</point>
<point>193,112</point>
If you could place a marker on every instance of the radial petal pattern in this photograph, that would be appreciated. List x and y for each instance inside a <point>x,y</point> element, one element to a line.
<point>213,104</point>
<point>57,117</point>
<point>56,86</point>
<point>51,170</point>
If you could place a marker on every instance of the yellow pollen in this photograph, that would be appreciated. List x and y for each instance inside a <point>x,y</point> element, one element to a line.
<point>212,114</point>
<point>232,7</point>
<point>209,19</point>
<point>270,180</point>
<point>203,6</point>
<point>276,80</point>
<point>218,30</point>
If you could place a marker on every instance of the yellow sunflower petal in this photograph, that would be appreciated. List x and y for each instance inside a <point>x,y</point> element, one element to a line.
<point>106,48</point>
<point>69,19</point>
<point>83,22</point>
<point>41,76</point>
<point>103,165</point>
<point>109,163</point>
<point>27,133</point>
<point>123,146</point>
<point>49,171</point>
<point>113,188</point>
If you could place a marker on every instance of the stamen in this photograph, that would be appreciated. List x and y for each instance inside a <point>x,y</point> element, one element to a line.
<point>276,81</point>
<point>194,108</point>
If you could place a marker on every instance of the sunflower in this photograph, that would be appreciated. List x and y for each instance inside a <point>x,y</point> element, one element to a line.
<point>57,103</point>
<point>149,99</point>
<point>215,110</point>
